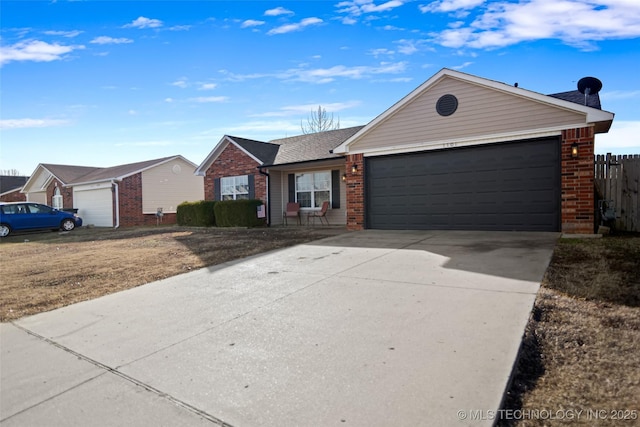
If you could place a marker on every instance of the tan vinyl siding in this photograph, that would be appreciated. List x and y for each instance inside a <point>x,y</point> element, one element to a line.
<point>170,184</point>
<point>481,111</point>
<point>37,197</point>
<point>335,216</point>
<point>276,197</point>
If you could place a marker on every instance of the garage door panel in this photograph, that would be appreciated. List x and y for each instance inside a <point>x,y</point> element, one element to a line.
<point>512,186</point>
<point>95,207</point>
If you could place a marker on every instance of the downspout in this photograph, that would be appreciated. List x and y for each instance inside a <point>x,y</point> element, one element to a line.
<point>117,192</point>
<point>268,195</point>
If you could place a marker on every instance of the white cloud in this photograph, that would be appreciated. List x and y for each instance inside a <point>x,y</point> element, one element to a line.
<point>577,23</point>
<point>143,22</point>
<point>287,28</point>
<point>296,110</point>
<point>110,40</point>
<point>381,51</point>
<point>208,99</point>
<point>619,94</point>
<point>169,100</point>
<point>30,123</point>
<point>359,7</point>
<point>251,23</point>
<point>623,138</point>
<point>182,83</point>
<point>180,28</point>
<point>132,112</point>
<point>324,75</point>
<point>207,86</point>
<point>449,5</point>
<point>460,67</point>
<point>68,34</point>
<point>145,144</point>
<point>278,11</point>
<point>35,50</point>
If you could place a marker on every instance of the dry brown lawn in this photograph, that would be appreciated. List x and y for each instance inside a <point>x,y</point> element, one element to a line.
<point>581,350</point>
<point>44,271</point>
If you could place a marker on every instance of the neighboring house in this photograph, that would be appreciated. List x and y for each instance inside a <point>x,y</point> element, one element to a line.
<point>459,152</point>
<point>10,188</point>
<point>300,168</point>
<point>124,195</point>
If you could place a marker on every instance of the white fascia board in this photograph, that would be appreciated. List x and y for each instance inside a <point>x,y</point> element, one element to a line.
<point>463,142</point>
<point>593,115</point>
<point>201,170</point>
<point>217,151</point>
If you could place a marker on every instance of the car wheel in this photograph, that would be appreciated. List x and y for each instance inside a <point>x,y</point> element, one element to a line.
<point>5,230</point>
<point>68,225</point>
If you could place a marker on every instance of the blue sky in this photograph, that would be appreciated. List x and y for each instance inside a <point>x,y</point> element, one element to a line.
<point>102,83</point>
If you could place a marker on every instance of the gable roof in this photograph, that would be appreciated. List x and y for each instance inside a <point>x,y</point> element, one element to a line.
<point>12,183</point>
<point>312,146</point>
<point>265,152</point>
<point>577,97</point>
<point>602,119</point>
<point>70,175</point>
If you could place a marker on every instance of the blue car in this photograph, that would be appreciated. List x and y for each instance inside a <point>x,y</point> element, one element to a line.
<point>19,216</point>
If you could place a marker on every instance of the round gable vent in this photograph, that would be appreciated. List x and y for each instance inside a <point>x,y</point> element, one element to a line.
<point>447,105</point>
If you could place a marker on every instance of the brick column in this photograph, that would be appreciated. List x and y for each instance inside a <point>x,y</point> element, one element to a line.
<point>355,192</point>
<point>578,181</point>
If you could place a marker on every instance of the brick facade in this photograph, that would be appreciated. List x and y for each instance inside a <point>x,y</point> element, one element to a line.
<point>13,196</point>
<point>234,162</point>
<point>355,192</point>
<point>577,181</point>
<point>130,201</point>
<point>65,192</point>
<point>577,185</point>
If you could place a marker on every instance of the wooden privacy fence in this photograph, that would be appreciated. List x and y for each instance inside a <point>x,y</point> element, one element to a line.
<point>618,180</point>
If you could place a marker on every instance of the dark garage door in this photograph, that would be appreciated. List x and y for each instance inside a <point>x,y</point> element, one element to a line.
<point>508,186</point>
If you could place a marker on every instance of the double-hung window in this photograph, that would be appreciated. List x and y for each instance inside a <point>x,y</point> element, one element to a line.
<point>313,188</point>
<point>56,200</point>
<point>234,187</point>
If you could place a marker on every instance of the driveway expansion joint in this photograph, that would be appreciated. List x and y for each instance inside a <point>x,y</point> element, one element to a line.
<point>122,375</point>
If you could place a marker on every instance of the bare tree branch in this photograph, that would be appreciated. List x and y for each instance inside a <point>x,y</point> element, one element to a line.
<point>320,121</point>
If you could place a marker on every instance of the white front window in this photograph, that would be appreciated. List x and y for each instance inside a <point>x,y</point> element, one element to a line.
<point>56,201</point>
<point>313,188</point>
<point>234,187</point>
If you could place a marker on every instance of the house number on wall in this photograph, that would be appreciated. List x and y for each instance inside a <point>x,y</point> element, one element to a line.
<point>448,144</point>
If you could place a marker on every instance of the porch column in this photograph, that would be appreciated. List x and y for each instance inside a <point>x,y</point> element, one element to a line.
<point>577,181</point>
<point>355,192</point>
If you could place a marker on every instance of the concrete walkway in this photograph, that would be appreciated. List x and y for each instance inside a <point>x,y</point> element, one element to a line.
<point>368,328</point>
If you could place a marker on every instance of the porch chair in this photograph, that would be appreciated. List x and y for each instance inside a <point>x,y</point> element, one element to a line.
<point>322,213</point>
<point>292,211</point>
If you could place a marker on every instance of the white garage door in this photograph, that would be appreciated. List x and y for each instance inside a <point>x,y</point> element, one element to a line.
<point>95,207</point>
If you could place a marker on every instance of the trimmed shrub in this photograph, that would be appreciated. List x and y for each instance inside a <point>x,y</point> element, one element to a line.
<point>238,213</point>
<point>196,214</point>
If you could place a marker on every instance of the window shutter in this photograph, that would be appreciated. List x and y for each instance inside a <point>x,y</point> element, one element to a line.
<point>252,186</point>
<point>335,189</point>
<point>216,189</point>
<point>292,187</point>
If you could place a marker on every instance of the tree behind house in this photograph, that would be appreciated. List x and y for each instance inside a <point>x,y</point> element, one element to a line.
<point>320,121</point>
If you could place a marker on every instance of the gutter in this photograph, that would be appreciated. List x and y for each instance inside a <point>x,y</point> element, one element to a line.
<point>268,194</point>
<point>117,191</point>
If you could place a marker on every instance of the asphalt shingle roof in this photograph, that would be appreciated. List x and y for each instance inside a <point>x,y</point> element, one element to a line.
<point>10,183</point>
<point>264,151</point>
<point>312,146</point>
<point>79,174</point>
<point>576,97</point>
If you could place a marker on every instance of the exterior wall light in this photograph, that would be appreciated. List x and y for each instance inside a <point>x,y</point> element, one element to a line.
<point>344,177</point>
<point>354,168</point>
<point>574,150</point>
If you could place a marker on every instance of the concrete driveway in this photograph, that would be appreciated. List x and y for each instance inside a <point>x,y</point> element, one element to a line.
<point>367,328</point>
